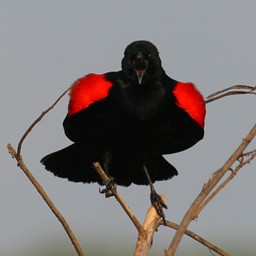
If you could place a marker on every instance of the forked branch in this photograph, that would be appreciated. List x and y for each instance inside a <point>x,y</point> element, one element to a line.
<point>233,90</point>
<point>245,159</point>
<point>46,198</point>
<point>146,232</point>
<point>151,224</point>
<point>207,188</point>
<point>35,183</point>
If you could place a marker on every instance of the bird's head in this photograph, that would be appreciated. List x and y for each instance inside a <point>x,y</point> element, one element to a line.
<point>141,62</point>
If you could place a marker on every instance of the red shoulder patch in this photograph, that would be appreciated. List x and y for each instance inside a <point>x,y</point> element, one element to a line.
<point>191,100</point>
<point>87,90</point>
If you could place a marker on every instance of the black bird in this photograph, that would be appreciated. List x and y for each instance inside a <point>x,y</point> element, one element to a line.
<point>127,120</point>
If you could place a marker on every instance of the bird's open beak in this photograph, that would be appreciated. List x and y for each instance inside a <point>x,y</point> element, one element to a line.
<point>140,66</point>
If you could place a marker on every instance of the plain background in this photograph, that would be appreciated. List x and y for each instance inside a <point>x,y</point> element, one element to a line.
<point>46,45</point>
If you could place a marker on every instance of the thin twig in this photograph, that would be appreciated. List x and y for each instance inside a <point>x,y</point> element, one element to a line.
<point>241,87</point>
<point>36,121</point>
<point>46,198</point>
<point>222,93</point>
<point>207,188</point>
<point>197,238</point>
<point>248,153</point>
<point>225,182</point>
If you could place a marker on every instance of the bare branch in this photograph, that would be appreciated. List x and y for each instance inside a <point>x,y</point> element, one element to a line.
<point>151,223</point>
<point>38,120</point>
<point>226,92</point>
<point>38,187</point>
<point>118,197</point>
<point>46,198</point>
<point>197,238</point>
<point>207,188</point>
<point>227,180</point>
<point>242,87</point>
<point>144,235</point>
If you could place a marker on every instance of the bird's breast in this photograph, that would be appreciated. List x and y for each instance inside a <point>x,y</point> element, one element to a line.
<point>141,102</point>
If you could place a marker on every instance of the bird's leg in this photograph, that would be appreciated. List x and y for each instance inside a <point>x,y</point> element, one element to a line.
<point>110,189</point>
<point>155,199</point>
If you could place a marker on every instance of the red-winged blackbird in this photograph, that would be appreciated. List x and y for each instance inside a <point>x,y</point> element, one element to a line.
<point>127,120</point>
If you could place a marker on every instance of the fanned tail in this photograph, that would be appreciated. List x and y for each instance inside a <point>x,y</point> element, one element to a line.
<point>71,163</point>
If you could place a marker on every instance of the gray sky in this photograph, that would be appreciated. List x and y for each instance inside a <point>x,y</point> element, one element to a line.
<point>46,45</point>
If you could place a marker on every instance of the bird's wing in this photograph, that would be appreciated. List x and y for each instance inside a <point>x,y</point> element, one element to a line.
<point>87,106</point>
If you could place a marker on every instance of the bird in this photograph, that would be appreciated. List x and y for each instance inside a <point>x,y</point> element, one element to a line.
<point>128,120</point>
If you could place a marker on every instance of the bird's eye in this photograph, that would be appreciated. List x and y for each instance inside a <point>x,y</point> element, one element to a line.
<point>150,56</point>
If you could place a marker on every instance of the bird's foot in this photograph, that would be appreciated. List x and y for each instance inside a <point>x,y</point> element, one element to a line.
<point>110,189</point>
<point>158,204</point>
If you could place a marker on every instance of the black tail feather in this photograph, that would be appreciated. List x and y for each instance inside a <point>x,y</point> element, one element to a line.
<point>160,169</point>
<point>72,164</point>
<point>127,172</point>
<point>75,164</point>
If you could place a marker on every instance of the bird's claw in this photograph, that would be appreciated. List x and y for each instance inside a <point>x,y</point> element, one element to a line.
<point>110,189</point>
<point>158,204</point>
